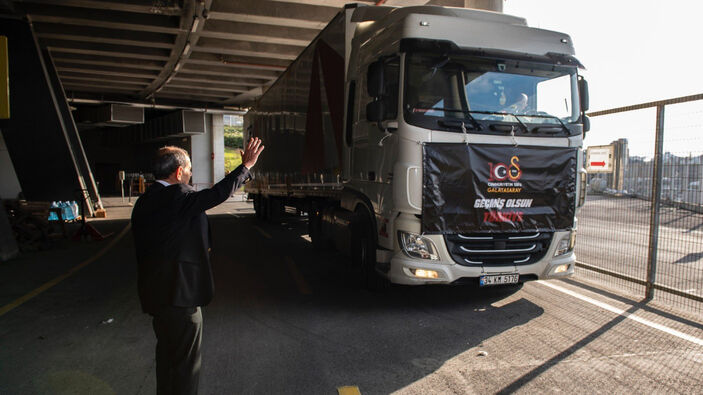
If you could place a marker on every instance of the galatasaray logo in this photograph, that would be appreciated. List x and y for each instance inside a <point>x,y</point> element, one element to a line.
<point>502,172</point>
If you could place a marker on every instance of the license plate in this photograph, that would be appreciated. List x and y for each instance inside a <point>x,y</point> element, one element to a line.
<point>499,279</point>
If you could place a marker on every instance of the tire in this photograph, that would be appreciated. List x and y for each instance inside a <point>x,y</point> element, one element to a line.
<point>363,253</point>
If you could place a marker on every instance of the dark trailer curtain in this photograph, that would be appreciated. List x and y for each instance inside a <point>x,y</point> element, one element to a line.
<point>498,188</point>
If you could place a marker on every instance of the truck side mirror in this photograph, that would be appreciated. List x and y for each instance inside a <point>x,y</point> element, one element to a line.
<point>586,123</point>
<point>376,111</point>
<point>374,79</point>
<point>583,94</point>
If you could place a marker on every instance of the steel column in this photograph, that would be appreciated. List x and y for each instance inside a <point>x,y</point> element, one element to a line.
<point>656,205</point>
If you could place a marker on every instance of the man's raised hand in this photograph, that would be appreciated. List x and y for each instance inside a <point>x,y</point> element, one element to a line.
<point>251,154</point>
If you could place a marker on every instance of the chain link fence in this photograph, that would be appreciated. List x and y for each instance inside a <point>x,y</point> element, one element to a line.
<point>641,228</point>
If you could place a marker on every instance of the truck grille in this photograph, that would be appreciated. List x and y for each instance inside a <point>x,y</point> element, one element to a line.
<point>507,249</point>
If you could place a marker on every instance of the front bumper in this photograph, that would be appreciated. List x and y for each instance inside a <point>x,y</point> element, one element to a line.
<point>402,267</point>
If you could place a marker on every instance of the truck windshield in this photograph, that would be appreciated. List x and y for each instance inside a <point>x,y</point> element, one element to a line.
<point>489,89</point>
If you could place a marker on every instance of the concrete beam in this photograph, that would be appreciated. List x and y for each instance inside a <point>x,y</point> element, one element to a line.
<point>66,79</point>
<point>197,93</point>
<point>104,40</point>
<point>249,53</point>
<point>204,70</point>
<point>62,70</point>
<point>78,59</point>
<point>190,78</point>
<point>283,14</point>
<point>62,49</point>
<point>267,20</point>
<point>138,7</point>
<point>299,11</point>
<point>116,50</point>
<point>216,43</point>
<point>191,94</point>
<point>69,67</point>
<point>222,29</point>
<point>132,25</point>
<point>134,37</point>
<point>204,88</point>
<point>104,83</point>
<point>98,88</point>
<point>255,38</point>
<point>205,58</point>
<point>246,97</point>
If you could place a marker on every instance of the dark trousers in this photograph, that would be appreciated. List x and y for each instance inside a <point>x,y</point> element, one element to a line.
<point>178,334</point>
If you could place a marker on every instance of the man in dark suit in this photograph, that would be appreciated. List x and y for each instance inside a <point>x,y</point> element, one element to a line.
<point>172,241</point>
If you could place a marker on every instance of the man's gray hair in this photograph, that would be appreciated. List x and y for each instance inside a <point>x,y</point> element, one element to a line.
<point>167,160</point>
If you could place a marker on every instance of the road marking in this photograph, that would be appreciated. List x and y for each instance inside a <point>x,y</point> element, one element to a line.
<point>348,390</point>
<point>233,214</point>
<point>298,277</point>
<point>17,302</point>
<point>626,314</point>
<point>263,232</point>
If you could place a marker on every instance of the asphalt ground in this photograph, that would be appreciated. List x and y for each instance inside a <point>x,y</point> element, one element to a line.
<point>286,319</point>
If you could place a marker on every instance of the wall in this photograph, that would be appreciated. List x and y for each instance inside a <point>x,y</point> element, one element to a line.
<point>9,185</point>
<point>35,136</point>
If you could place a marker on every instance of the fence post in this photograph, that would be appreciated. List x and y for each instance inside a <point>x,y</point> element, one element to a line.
<point>656,203</point>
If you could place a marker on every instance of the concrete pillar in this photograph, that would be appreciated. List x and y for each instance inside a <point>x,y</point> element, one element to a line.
<point>208,153</point>
<point>218,146</point>
<point>9,184</point>
<point>8,245</point>
<point>201,157</point>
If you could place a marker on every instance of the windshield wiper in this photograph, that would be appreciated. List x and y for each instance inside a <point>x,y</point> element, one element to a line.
<point>503,113</point>
<point>547,116</point>
<point>474,124</point>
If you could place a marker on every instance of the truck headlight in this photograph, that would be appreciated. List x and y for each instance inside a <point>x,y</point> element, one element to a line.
<point>566,244</point>
<point>416,246</point>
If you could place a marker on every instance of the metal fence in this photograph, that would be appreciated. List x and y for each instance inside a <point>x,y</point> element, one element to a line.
<point>641,228</point>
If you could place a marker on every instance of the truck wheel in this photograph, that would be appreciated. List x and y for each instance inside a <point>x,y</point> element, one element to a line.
<point>363,253</point>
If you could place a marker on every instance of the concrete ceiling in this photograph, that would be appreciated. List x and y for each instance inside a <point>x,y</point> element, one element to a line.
<point>208,53</point>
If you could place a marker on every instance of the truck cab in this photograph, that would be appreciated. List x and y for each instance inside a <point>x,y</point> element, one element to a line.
<point>430,76</point>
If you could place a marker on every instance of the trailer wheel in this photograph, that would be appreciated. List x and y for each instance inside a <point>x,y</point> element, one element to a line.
<point>363,253</point>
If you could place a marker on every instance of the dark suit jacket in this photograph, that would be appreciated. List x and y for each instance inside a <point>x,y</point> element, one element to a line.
<point>172,239</point>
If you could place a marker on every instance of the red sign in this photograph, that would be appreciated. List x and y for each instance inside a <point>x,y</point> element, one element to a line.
<point>597,163</point>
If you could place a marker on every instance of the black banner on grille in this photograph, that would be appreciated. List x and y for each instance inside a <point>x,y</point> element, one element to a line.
<point>497,188</point>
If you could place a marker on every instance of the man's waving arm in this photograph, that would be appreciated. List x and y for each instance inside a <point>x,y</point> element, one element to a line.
<point>195,203</point>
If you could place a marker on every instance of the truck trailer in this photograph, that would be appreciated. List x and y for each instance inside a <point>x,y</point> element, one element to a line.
<point>434,145</point>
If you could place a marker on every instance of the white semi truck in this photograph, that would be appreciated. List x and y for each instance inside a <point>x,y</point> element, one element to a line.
<point>434,145</point>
